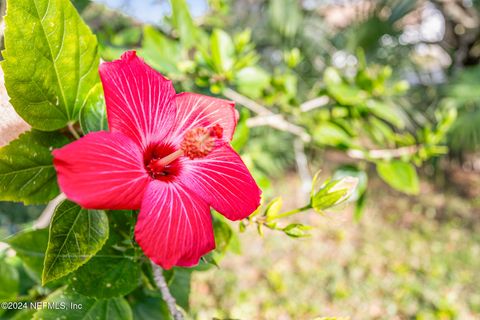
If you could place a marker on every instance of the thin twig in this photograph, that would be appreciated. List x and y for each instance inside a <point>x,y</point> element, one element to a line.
<point>247,102</point>
<point>383,154</point>
<point>302,166</point>
<point>167,296</point>
<point>44,220</point>
<point>278,122</point>
<point>266,116</point>
<point>314,103</point>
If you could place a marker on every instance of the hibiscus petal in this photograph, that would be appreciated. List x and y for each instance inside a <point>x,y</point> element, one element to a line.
<point>138,99</point>
<point>102,170</point>
<point>174,227</point>
<point>224,182</point>
<point>196,110</point>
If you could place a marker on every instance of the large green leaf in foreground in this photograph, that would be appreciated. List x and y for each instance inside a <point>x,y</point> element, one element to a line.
<point>91,309</point>
<point>26,169</point>
<point>115,270</point>
<point>51,61</point>
<point>76,235</point>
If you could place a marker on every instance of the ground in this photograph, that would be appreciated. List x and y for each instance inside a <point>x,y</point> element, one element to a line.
<point>408,258</point>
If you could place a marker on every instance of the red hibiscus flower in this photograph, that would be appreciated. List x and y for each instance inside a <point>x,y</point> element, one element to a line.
<point>166,154</point>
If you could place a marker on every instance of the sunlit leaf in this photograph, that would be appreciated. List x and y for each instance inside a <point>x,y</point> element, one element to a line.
<point>51,61</point>
<point>331,134</point>
<point>251,81</point>
<point>223,50</point>
<point>182,21</point>
<point>223,232</point>
<point>93,116</point>
<point>387,113</point>
<point>160,51</point>
<point>399,175</point>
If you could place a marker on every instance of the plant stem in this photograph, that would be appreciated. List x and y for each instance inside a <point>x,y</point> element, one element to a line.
<point>73,131</point>
<point>289,213</point>
<point>384,154</point>
<point>167,296</point>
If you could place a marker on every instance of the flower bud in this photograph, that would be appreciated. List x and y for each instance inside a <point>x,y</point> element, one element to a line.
<point>334,193</point>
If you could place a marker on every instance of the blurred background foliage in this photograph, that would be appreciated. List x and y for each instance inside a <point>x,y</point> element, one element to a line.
<point>384,90</point>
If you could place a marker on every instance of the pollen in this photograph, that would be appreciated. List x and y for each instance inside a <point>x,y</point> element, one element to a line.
<point>199,142</point>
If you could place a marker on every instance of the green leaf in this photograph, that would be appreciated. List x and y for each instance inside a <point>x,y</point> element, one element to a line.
<point>76,235</point>
<point>331,134</point>
<point>108,274</point>
<point>400,175</point>
<point>252,81</point>
<point>9,281</point>
<point>150,308</point>
<point>91,309</point>
<point>182,21</point>
<point>160,51</point>
<point>93,116</point>
<point>292,57</point>
<point>332,77</point>
<point>30,246</point>
<point>25,314</point>
<point>387,113</point>
<point>223,50</point>
<point>360,206</point>
<point>285,16</point>
<point>127,37</point>
<point>80,4</point>
<point>338,89</point>
<point>464,87</point>
<point>180,286</point>
<point>223,233</point>
<point>26,169</point>
<point>114,271</point>
<point>242,131</point>
<point>51,61</point>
